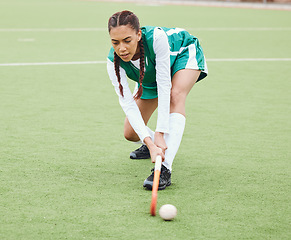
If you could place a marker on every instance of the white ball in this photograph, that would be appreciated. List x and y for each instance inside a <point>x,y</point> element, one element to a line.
<point>168,212</point>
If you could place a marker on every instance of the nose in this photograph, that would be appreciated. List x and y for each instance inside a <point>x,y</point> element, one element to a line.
<point>122,47</point>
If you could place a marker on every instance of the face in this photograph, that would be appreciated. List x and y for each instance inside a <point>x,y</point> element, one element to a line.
<point>125,40</point>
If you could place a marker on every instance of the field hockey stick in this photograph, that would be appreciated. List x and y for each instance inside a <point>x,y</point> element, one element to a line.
<point>155,187</point>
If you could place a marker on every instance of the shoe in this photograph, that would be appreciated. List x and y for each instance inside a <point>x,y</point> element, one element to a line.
<point>141,153</point>
<point>165,179</point>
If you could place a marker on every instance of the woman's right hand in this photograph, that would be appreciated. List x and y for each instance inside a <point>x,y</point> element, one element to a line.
<point>155,151</point>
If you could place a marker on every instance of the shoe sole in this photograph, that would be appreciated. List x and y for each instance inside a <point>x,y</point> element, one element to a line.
<point>139,157</point>
<point>149,186</point>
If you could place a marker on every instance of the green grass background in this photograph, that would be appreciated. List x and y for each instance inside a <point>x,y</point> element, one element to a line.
<point>65,171</point>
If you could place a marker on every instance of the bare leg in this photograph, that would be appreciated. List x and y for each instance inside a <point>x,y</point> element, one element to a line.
<point>182,83</point>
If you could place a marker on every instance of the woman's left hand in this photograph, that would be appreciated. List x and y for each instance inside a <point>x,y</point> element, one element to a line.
<point>160,141</point>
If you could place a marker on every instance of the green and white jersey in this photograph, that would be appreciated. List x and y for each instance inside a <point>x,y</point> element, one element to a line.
<point>167,50</point>
<point>181,44</point>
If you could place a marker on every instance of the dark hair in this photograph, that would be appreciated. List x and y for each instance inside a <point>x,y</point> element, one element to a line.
<point>122,19</point>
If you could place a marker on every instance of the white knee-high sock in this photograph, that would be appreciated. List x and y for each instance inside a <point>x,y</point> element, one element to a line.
<point>174,138</point>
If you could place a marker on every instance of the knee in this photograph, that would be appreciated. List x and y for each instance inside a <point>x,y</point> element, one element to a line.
<point>130,135</point>
<point>177,98</point>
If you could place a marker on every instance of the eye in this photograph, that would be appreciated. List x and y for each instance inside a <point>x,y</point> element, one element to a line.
<point>114,42</point>
<point>128,41</point>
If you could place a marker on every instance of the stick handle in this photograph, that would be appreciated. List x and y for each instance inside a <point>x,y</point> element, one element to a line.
<point>158,165</point>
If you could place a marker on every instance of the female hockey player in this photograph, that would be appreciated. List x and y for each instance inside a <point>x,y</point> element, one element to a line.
<point>165,63</point>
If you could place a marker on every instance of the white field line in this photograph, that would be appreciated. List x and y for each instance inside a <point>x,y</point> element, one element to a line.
<point>51,63</point>
<point>240,29</point>
<point>52,29</point>
<point>104,62</point>
<point>104,29</point>
<point>247,59</point>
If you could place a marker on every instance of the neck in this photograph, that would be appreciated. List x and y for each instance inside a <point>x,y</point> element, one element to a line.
<point>137,53</point>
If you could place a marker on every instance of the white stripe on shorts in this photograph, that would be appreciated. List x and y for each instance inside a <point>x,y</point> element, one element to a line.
<point>178,52</point>
<point>192,62</point>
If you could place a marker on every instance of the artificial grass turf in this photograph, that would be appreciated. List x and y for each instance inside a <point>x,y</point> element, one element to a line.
<point>65,168</point>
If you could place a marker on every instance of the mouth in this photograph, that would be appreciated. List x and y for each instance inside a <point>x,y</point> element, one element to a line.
<point>124,56</point>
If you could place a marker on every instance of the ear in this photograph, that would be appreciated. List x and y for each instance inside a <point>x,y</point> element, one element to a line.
<point>139,35</point>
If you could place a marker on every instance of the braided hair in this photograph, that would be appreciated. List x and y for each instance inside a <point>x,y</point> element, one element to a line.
<point>122,19</point>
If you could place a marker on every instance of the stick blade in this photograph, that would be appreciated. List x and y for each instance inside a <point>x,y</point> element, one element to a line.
<point>153,206</point>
